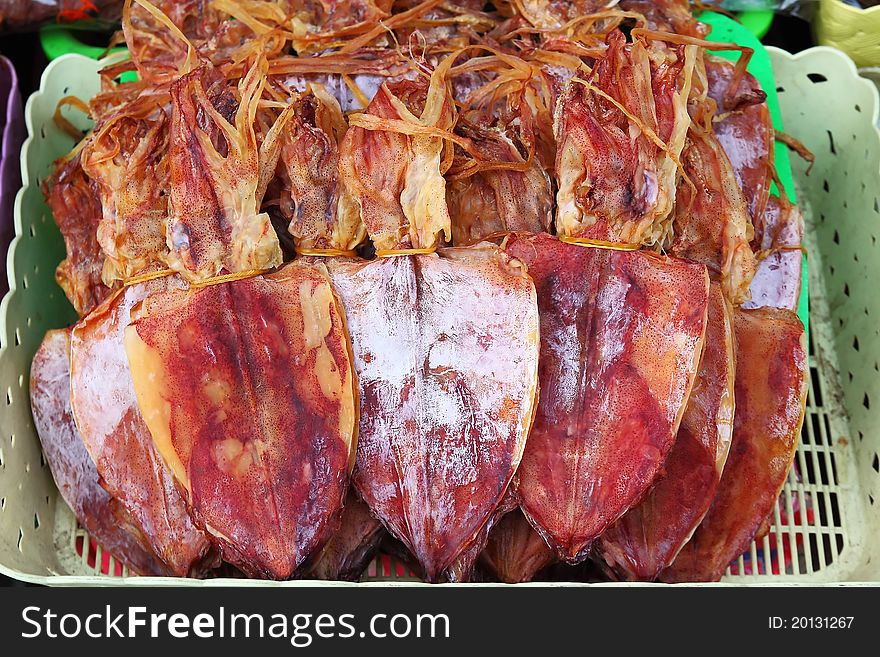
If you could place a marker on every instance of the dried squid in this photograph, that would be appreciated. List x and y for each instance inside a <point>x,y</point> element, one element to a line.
<point>514,192</point>
<point>352,546</point>
<point>777,280</point>
<point>515,552</point>
<point>744,130</point>
<point>621,337</point>
<point>246,384</point>
<point>446,343</point>
<point>113,430</point>
<point>76,207</point>
<point>106,520</point>
<point>620,133</point>
<point>647,538</point>
<point>771,389</point>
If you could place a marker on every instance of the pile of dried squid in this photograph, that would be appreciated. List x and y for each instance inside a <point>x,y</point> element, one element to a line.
<point>494,287</point>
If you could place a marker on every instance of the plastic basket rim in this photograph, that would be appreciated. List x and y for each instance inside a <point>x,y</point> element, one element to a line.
<point>103,581</point>
<point>25,183</point>
<point>839,54</point>
<point>854,12</point>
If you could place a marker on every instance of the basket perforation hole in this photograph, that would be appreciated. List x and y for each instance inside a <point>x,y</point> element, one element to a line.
<point>815,390</point>
<point>855,345</point>
<point>858,109</point>
<point>825,187</point>
<point>823,471</point>
<point>846,289</point>
<point>17,338</point>
<point>876,205</point>
<point>876,463</point>
<point>866,402</point>
<point>9,396</point>
<point>2,503</point>
<point>831,142</point>
<point>24,282</point>
<point>871,500</point>
<point>32,231</point>
<point>805,435</point>
<point>20,539</point>
<point>820,509</point>
<point>817,78</point>
<point>836,237</point>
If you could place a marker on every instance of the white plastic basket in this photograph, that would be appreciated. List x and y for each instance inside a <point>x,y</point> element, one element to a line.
<point>826,527</point>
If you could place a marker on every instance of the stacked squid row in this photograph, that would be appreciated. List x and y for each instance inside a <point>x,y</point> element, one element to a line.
<point>491,287</point>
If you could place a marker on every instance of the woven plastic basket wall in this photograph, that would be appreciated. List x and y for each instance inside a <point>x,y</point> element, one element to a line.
<point>827,524</point>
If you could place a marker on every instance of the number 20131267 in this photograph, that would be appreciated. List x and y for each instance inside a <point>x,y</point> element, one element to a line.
<point>810,622</point>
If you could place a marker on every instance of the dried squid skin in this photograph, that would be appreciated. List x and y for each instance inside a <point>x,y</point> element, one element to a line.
<point>76,207</point>
<point>367,68</point>
<point>499,200</point>
<point>446,349</point>
<point>447,26</point>
<point>215,223</point>
<point>125,157</point>
<point>621,337</point>
<point>317,21</point>
<point>119,442</point>
<point>352,547</point>
<point>554,14</point>
<point>249,392</point>
<point>515,552</point>
<point>648,536</point>
<point>777,280</point>
<point>464,568</point>
<point>320,209</point>
<point>617,170</point>
<point>72,468</point>
<point>156,51</point>
<point>771,388</point>
<point>395,178</point>
<point>745,131</point>
<point>668,16</point>
<point>712,224</point>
